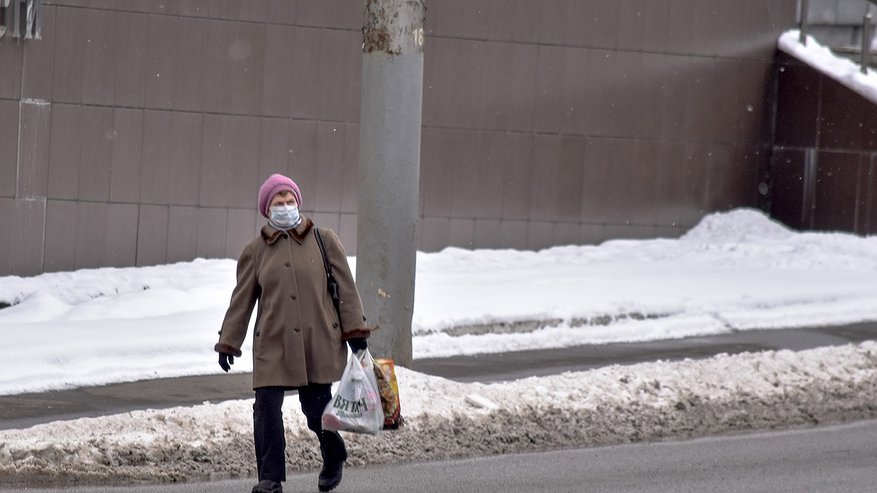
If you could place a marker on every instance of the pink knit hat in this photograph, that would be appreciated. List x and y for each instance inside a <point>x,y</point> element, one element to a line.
<point>275,184</point>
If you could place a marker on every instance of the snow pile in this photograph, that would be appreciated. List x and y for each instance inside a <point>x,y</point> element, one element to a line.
<point>738,226</point>
<point>166,288</point>
<point>734,271</point>
<point>648,401</point>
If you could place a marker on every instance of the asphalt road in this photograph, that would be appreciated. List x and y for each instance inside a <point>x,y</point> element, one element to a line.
<point>23,410</point>
<point>825,459</point>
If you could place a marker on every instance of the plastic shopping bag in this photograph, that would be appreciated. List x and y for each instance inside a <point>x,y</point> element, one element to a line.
<point>385,371</point>
<point>356,405</point>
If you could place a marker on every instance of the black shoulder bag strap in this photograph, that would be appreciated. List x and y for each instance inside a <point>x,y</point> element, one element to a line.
<point>331,283</point>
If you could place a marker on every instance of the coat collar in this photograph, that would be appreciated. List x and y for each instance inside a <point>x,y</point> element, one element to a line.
<point>271,235</point>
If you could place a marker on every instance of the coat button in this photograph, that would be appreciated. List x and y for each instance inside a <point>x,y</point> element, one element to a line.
<point>334,325</point>
<point>286,264</point>
<point>293,297</point>
<point>297,329</point>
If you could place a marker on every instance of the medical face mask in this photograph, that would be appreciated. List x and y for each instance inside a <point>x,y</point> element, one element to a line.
<point>285,216</point>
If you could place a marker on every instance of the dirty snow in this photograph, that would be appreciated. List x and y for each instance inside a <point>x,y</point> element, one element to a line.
<point>444,419</point>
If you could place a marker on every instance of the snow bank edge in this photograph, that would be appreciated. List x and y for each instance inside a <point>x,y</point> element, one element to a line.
<point>618,404</point>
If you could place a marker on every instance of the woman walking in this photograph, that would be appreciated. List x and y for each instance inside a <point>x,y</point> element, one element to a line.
<point>299,336</point>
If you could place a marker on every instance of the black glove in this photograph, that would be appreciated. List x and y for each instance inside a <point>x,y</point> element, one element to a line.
<point>225,361</point>
<point>357,344</point>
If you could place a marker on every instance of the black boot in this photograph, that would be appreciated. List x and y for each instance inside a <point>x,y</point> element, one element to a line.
<point>268,486</point>
<point>334,454</point>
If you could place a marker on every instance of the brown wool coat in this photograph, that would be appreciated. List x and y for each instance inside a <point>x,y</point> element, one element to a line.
<point>298,337</point>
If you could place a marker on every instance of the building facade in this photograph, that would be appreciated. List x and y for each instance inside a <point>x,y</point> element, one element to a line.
<point>137,132</point>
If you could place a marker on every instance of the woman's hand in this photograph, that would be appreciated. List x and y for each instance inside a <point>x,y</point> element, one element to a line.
<point>357,344</point>
<point>225,361</point>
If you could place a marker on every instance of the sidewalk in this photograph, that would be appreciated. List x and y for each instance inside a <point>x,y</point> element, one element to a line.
<point>23,410</point>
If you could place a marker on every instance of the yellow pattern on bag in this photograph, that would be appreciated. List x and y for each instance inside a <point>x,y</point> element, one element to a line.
<point>388,386</point>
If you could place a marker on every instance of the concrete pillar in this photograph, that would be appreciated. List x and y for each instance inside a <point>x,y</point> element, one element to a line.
<point>389,169</point>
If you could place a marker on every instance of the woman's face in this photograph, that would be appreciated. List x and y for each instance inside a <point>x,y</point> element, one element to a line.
<point>283,198</point>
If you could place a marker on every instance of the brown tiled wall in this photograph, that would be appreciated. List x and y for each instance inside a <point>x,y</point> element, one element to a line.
<point>610,119</point>
<point>137,132</point>
<point>824,167</point>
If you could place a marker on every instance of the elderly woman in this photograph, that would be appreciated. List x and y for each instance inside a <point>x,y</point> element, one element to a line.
<point>298,340</point>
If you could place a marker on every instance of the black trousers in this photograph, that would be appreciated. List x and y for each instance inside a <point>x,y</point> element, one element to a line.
<point>269,433</point>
